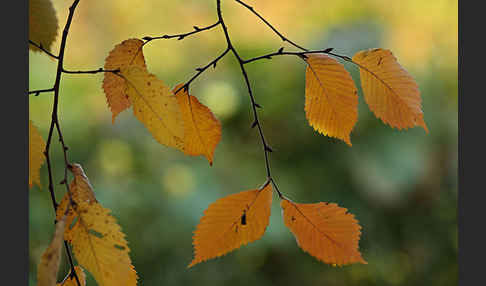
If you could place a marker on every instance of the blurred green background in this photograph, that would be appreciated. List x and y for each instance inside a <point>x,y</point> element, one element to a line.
<point>402,186</point>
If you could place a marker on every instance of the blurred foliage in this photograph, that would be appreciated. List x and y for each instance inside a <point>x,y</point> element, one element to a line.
<point>402,186</point>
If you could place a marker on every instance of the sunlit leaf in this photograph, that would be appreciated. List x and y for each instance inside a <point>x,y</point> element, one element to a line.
<point>36,154</point>
<point>331,100</point>
<point>49,264</point>
<point>202,130</point>
<point>127,53</point>
<point>98,243</point>
<point>231,222</point>
<point>156,107</point>
<point>389,90</point>
<point>325,231</point>
<point>42,24</point>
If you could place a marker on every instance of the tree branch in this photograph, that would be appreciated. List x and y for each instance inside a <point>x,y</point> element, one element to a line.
<point>39,91</point>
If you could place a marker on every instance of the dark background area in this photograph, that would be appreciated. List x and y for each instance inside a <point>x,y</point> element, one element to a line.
<point>401,186</point>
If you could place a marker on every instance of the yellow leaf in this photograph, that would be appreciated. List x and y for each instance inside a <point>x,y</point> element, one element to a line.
<point>202,130</point>
<point>331,100</point>
<point>389,90</point>
<point>127,53</point>
<point>231,222</point>
<point>155,106</point>
<point>70,280</point>
<point>36,154</point>
<point>98,243</point>
<point>42,24</point>
<point>325,231</point>
<point>49,264</point>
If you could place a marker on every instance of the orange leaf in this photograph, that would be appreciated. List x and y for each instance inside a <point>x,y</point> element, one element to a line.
<point>389,90</point>
<point>128,53</point>
<point>231,222</point>
<point>331,100</point>
<point>202,130</point>
<point>325,231</point>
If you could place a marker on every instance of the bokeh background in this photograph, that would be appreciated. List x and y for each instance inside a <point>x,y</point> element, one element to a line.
<point>402,186</point>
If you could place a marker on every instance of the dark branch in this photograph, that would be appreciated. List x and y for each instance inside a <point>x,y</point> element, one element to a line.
<point>285,39</point>
<point>40,47</point>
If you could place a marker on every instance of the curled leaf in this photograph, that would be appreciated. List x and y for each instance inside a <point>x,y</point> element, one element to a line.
<point>49,264</point>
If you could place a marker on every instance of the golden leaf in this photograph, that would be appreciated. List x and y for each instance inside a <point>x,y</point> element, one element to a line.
<point>42,24</point>
<point>49,264</point>
<point>331,100</point>
<point>98,243</point>
<point>156,107</point>
<point>70,280</point>
<point>36,154</point>
<point>127,53</point>
<point>325,231</point>
<point>202,130</point>
<point>231,222</point>
<point>389,90</point>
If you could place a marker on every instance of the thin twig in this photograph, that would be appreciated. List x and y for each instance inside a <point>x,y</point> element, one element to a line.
<point>39,91</point>
<point>201,70</point>
<point>100,70</point>
<point>285,39</point>
<point>39,46</point>
<point>180,36</point>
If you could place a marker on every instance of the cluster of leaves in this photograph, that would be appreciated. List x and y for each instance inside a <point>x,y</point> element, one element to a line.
<point>177,119</point>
